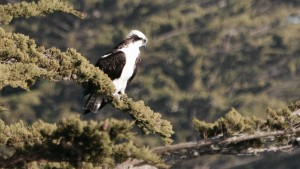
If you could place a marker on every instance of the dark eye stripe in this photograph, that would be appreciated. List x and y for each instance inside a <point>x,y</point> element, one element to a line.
<point>135,37</point>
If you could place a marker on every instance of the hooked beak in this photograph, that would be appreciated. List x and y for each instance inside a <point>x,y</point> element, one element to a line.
<point>144,44</point>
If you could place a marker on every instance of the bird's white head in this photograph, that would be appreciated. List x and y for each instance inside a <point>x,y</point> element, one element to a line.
<point>138,37</point>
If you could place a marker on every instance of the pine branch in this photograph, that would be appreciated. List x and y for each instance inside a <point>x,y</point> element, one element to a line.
<point>223,146</point>
<point>22,63</point>
<point>280,132</point>
<point>237,145</point>
<point>103,143</point>
<point>42,7</point>
<point>173,154</point>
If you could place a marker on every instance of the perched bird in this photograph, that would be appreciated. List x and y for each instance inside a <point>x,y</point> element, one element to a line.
<point>120,65</point>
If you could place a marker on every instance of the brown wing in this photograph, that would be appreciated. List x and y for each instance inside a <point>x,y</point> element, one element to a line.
<point>112,64</point>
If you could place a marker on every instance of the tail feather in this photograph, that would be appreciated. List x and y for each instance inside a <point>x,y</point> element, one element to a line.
<point>93,103</point>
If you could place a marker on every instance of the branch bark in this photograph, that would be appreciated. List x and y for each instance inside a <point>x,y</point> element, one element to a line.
<point>240,145</point>
<point>175,153</point>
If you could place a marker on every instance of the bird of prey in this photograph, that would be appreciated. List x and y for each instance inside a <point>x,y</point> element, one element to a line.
<point>120,64</point>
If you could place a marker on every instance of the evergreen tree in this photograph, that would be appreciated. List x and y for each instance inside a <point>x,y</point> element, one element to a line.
<point>69,142</point>
<point>203,58</point>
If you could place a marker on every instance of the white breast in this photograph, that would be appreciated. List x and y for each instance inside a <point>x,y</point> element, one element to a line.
<point>131,54</point>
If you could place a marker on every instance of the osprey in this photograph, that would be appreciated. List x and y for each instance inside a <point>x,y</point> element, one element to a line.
<point>120,65</point>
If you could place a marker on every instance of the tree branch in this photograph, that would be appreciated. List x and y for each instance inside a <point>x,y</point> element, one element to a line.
<point>42,7</point>
<point>236,145</point>
<point>30,62</point>
<point>101,143</point>
<point>265,139</point>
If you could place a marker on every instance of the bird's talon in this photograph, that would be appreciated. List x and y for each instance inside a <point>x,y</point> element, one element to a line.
<point>116,95</point>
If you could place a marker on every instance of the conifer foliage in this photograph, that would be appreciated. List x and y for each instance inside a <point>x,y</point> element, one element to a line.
<point>72,142</point>
<point>203,36</point>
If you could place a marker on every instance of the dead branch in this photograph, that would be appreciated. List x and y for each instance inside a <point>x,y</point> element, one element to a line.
<point>175,153</point>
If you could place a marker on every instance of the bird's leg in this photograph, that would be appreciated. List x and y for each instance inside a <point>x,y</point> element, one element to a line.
<point>122,92</point>
<point>117,95</point>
